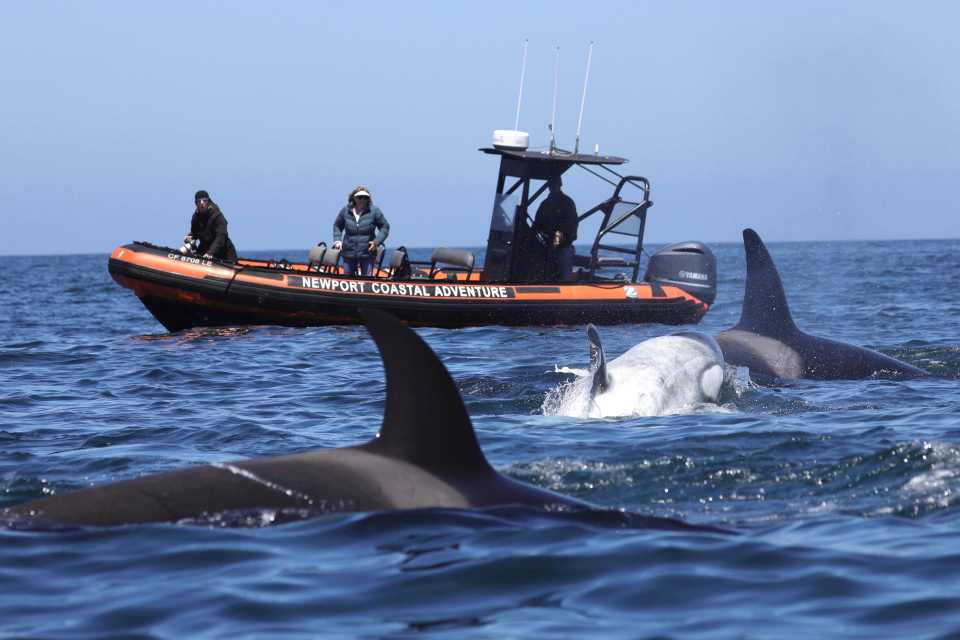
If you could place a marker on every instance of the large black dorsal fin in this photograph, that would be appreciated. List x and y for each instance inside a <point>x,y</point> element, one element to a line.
<point>424,422</point>
<point>765,310</point>
<point>598,362</point>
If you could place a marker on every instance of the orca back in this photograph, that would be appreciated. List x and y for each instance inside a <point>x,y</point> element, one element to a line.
<point>769,343</point>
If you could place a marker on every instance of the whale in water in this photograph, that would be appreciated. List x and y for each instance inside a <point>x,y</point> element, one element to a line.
<point>425,455</point>
<point>769,343</point>
<point>659,376</point>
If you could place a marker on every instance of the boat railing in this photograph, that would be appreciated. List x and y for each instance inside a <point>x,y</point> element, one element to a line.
<point>623,220</point>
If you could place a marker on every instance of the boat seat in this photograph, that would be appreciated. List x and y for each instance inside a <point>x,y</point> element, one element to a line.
<point>398,266</point>
<point>323,258</point>
<point>330,259</point>
<point>378,259</point>
<point>316,255</point>
<point>459,258</point>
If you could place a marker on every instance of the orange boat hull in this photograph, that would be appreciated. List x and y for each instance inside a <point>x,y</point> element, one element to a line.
<point>183,292</point>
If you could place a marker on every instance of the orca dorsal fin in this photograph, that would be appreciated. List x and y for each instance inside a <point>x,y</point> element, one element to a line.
<point>598,362</point>
<point>765,309</point>
<point>424,421</point>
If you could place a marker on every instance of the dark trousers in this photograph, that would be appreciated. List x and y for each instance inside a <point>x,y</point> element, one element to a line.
<point>565,262</point>
<point>358,266</point>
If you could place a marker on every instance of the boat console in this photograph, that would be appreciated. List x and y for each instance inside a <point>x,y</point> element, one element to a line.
<point>516,253</point>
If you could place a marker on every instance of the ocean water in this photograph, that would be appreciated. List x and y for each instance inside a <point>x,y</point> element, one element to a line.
<point>841,498</point>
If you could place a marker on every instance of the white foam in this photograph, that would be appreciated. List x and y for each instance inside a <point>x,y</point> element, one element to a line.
<point>940,484</point>
<point>580,373</point>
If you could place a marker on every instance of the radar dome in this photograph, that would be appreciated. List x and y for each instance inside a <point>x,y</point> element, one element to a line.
<point>510,139</point>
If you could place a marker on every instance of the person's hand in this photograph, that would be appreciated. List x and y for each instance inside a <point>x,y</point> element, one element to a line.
<point>556,238</point>
<point>372,246</point>
<point>337,244</point>
<point>207,256</point>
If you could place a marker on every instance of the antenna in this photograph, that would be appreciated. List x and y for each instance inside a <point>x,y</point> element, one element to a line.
<point>523,71</point>
<point>513,138</point>
<point>553,115</point>
<point>583,97</point>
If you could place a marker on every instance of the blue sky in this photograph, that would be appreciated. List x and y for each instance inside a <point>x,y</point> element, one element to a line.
<point>806,121</point>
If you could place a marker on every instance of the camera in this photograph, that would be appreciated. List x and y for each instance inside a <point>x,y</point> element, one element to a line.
<point>190,247</point>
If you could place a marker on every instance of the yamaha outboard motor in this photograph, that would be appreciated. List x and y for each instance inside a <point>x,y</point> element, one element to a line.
<point>690,266</point>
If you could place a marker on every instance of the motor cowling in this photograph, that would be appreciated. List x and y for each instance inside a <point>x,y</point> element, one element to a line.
<point>690,266</point>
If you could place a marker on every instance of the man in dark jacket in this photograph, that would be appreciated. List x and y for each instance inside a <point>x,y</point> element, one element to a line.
<point>363,228</point>
<point>209,227</point>
<point>557,220</point>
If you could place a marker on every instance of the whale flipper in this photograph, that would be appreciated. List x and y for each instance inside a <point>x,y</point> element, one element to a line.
<point>424,421</point>
<point>598,362</point>
<point>769,343</point>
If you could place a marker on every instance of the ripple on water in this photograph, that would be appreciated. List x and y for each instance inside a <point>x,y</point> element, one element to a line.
<point>830,488</point>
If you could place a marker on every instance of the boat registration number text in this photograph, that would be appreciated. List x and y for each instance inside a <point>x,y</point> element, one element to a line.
<point>191,259</point>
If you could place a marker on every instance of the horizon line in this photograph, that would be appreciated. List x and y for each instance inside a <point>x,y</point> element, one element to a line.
<point>469,246</point>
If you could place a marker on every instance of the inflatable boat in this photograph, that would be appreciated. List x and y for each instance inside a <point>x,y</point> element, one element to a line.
<point>514,284</point>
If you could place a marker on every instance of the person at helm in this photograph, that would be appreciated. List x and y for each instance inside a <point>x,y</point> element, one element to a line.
<point>208,228</point>
<point>557,221</point>
<point>359,229</point>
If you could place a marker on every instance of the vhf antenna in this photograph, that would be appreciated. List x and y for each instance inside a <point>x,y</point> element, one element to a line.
<point>583,97</point>
<point>523,71</point>
<point>553,115</point>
